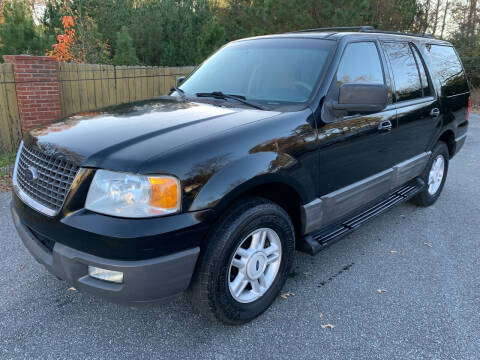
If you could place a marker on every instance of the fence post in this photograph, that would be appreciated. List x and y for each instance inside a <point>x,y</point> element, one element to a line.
<point>38,91</point>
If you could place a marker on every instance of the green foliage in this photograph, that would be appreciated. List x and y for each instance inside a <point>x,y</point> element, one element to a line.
<point>52,22</point>
<point>185,32</point>
<point>7,159</point>
<point>18,33</point>
<point>171,33</point>
<point>210,38</point>
<point>125,53</point>
<point>469,50</point>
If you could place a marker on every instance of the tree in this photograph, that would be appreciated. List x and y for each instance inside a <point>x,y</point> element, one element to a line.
<point>64,49</point>
<point>52,21</point>
<point>210,39</point>
<point>18,33</point>
<point>125,53</point>
<point>89,45</point>
<point>171,32</point>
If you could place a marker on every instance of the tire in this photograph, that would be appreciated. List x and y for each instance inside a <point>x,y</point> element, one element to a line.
<point>431,193</point>
<point>215,275</point>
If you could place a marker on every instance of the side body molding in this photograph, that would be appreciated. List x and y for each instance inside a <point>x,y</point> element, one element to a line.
<point>335,205</point>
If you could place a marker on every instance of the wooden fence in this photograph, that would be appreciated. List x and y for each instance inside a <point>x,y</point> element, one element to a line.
<point>86,87</point>
<point>10,126</point>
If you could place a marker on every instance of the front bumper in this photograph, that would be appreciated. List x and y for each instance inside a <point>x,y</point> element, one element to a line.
<point>145,281</point>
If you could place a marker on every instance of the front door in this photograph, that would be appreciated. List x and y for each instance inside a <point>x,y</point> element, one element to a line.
<point>355,150</point>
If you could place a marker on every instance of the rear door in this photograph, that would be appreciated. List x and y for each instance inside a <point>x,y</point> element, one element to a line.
<point>418,109</point>
<point>454,93</point>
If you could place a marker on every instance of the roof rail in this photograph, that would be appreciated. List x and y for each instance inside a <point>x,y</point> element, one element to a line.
<point>339,28</point>
<point>369,29</point>
<point>396,33</point>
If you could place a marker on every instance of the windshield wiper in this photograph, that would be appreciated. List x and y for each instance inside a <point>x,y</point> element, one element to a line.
<point>221,95</point>
<point>179,91</point>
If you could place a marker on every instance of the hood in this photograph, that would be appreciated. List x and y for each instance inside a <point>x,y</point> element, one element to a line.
<point>124,137</point>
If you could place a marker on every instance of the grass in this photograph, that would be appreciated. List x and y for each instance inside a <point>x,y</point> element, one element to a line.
<point>7,159</point>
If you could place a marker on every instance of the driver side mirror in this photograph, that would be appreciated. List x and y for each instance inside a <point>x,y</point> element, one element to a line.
<point>361,98</point>
<point>180,80</point>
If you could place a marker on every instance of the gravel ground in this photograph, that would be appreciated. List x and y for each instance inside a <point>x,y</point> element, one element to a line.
<point>427,260</point>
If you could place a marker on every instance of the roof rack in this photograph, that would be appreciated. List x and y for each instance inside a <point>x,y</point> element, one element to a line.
<point>339,28</point>
<point>373,30</point>
<point>369,29</point>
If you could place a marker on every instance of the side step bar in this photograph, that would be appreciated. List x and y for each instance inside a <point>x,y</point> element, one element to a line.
<point>317,241</point>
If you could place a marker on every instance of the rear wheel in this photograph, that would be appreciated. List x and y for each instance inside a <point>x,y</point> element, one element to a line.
<point>434,176</point>
<point>245,262</point>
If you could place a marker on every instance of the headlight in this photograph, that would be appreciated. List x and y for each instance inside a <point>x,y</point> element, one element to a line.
<point>133,196</point>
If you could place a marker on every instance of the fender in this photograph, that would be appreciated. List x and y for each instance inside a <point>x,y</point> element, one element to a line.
<point>251,171</point>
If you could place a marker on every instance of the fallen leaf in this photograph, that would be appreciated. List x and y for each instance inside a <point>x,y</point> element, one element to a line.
<point>402,216</point>
<point>21,267</point>
<point>393,251</point>
<point>380,291</point>
<point>427,244</point>
<point>286,295</point>
<point>320,315</point>
<point>327,326</point>
<point>72,288</point>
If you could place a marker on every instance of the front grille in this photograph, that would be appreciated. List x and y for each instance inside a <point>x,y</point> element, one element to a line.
<point>55,177</point>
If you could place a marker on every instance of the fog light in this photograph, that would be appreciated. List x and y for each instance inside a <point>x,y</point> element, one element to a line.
<point>105,275</point>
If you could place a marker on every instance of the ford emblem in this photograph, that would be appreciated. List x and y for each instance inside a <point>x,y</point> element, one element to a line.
<point>31,174</point>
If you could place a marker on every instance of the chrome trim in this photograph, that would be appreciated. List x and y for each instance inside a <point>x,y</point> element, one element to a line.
<point>460,138</point>
<point>27,199</point>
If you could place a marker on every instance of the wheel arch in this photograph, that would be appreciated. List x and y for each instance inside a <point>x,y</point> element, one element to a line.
<point>448,137</point>
<point>290,185</point>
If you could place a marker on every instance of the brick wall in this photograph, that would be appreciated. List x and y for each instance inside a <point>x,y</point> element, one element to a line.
<point>38,91</point>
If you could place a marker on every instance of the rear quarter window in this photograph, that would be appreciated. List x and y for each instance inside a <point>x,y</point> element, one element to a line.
<point>447,69</point>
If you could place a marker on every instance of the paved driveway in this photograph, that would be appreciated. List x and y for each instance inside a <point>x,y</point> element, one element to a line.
<point>427,260</point>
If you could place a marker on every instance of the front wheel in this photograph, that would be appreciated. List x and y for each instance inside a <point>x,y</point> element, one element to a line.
<point>245,262</point>
<point>434,176</point>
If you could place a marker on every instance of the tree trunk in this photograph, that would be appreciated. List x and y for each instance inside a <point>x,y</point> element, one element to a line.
<point>427,15</point>
<point>435,20</point>
<point>472,16</point>
<point>444,18</point>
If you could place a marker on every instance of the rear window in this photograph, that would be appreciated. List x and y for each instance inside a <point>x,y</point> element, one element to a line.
<point>447,68</point>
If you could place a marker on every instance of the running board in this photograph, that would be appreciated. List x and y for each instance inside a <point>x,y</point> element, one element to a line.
<point>317,241</point>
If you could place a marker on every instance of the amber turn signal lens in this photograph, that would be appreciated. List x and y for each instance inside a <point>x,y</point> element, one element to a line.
<point>165,193</point>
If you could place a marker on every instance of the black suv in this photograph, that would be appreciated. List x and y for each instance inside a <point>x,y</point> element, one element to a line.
<point>274,143</point>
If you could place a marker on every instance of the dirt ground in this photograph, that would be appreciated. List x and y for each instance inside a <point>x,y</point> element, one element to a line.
<point>5,183</point>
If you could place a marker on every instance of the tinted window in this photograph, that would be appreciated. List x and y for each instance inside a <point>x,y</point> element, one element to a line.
<point>447,69</point>
<point>265,70</point>
<point>360,64</point>
<point>423,73</point>
<point>405,72</point>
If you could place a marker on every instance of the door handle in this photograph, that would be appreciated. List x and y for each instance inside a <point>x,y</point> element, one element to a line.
<point>435,112</point>
<point>385,126</point>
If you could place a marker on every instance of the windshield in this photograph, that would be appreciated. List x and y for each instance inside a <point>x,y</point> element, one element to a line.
<point>269,71</point>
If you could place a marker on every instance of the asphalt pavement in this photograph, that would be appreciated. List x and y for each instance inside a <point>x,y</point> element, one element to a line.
<point>404,286</point>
